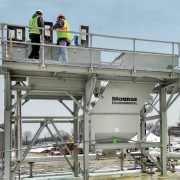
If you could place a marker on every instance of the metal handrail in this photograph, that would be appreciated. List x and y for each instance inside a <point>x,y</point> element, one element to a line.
<point>133,49</point>
<point>89,48</point>
<point>107,36</point>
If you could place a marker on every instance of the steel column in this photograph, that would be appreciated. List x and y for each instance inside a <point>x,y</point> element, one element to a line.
<point>89,88</point>
<point>142,133</point>
<point>18,128</point>
<point>76,140</point>
<point>85,140</point>
<point>142,124</point>
<point>7,126</point>
<point>163,131</point>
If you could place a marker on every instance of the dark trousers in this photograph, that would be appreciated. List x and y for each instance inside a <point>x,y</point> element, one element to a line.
<point>35,38</point>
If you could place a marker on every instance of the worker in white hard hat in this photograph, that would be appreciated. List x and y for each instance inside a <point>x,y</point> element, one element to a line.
<point>36,24</point>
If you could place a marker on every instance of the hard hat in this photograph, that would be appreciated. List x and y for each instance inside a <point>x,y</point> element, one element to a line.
<point>61,15</point>
<point>39,11</point>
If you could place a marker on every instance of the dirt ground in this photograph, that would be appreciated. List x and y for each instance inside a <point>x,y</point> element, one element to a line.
<point>103,164</point>
<point>170,176</point>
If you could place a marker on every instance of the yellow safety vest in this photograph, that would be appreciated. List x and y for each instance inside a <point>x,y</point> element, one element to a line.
<point>33,25</point>
<point>63,32</point>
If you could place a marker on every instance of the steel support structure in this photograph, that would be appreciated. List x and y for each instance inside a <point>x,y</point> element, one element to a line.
<point>142,124</point>
<point>76,140</point>
<point>18,129</point>
<point>172,100</point>
<point>89,88</point>
<point>163,131</point>
<point>142,133</point>
<point>85,139</point>
<point>75,133</point>
<point>86,72</point>
<point>7,126</point>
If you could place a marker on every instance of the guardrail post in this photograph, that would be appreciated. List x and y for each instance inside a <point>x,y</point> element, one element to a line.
<point>91,57</point>
<point>2,42</point>
<point>134,49</point>
<point>5,43</point>
<point>31,164</point>
<point>178,54</point>
<point>173,57</point>
<point>43,50</point>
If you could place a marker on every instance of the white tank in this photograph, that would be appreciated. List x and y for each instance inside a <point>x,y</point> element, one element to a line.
<point>117,114</point>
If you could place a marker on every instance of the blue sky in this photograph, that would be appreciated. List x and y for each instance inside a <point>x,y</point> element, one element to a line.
<point>148,19</point>
<point>154,19</point>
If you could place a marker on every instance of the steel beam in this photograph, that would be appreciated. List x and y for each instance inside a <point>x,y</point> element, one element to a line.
<point>137,145</point>
<point>60,136</point>
<point>66,106</point>
<point>61,147</point>
<point>173,100</point>
<point>104,72</point>
<point>150,130</point>
<point>7,126</point>
<point>46,117</point>
<point>153,106</point>
<point>56,158</point>
<point>155,99</point>
<point>22,97</point>
<point>43,125</point>
<point>163,131</point>
<point>40,121</point>
<point>149,118</point>
<point>170,97</point>
<point>91,84</point>
<point>30,146</point>
<point>74,100</point>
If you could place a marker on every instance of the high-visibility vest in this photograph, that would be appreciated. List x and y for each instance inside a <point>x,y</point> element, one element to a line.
<point>63,32</point>
<point>33,25</point>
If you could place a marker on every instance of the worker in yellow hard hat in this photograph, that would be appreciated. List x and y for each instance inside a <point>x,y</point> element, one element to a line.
<point>64,37</point>
<point>36,24</point>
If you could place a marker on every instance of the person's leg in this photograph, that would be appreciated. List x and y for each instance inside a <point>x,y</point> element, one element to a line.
<point>31,55</point>
<point>60,55</point>
<point>59,50</point>
<point>37,47</point>
<point>63,51</point>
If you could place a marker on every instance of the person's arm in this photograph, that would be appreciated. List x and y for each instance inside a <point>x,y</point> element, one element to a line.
<point>40,23</point>
<point>56,25</point>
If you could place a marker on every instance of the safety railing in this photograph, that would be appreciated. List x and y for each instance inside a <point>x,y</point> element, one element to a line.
<point>102,50</point>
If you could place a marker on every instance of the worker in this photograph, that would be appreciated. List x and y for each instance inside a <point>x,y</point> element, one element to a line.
<point>36,24</point>
<point>64,37</point>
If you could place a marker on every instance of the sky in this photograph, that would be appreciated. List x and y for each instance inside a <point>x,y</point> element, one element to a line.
<point>154,19</point>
